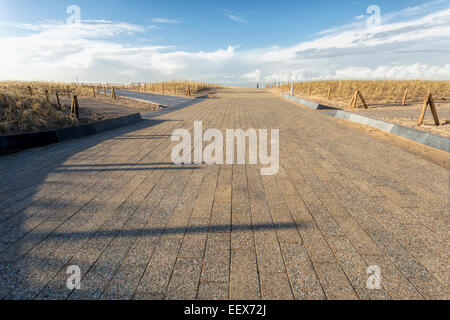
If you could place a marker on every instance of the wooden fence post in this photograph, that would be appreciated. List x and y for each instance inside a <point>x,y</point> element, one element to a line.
<point>188,91</point>
<point>429,101</point>
<point>329,93</point>
<point>30,90</point>
<point>104,90</point>
<point>163,88</point>
<point>57,99</point>
<point>353,102</point>
<point>46,96</point>
<point>74,108</point>
<point>309,90</point>
<point>93,91</point>
<point>68,92</point>
<point>113,93</point>
<point>362,99</point>
<point>405,97</point>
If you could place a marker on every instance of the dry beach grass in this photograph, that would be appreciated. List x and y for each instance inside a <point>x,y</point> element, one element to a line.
<point>24,106</point>
<point>376,93</point>
<point>384,100</point>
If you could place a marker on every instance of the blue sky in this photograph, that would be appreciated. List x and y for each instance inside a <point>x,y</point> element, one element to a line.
<point>228,42</point>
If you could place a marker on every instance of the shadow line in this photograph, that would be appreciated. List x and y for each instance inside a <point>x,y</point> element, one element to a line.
<point>119,164</point>
<point>175,230</point>
<point>127,169</point>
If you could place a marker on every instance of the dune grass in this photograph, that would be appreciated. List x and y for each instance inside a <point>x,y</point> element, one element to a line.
<point>31,106</point>
<point>21,112</point>
<point>375,92</point>
<point>172,87</point>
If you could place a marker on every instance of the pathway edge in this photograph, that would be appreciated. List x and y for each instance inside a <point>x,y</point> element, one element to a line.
<point>20,142</point>
<point>421,137</point>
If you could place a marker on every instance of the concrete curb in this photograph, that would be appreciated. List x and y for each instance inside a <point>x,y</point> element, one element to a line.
<point>309,104</point>
<point>421,137</point>
<point>15,143</point>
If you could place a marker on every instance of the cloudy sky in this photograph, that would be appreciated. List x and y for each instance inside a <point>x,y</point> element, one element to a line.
<point>234,42</point>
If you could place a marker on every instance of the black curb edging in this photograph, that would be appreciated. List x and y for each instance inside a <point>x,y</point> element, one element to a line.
<point>421,137</point>
<point>15,143</point>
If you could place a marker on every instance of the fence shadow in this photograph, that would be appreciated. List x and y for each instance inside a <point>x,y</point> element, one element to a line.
<point>24,205</point>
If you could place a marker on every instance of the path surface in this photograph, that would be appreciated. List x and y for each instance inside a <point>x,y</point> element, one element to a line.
<point>140,227</point>
<point>170,101</point>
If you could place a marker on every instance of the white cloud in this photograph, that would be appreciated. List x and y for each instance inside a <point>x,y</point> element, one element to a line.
<point>233,16</point>
<point>413,48</point>
<point>254,76</point>
<point>415,71</point>
<point>164,20</point>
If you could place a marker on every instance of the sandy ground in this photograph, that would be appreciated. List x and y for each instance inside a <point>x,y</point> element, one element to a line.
<point>428,125</point>
<point>137,106</point>
<point>406,116</point>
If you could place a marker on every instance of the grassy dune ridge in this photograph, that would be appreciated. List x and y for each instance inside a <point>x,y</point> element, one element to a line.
<point>24,106</point>
<point>22,112</point>
<point>375,92</point>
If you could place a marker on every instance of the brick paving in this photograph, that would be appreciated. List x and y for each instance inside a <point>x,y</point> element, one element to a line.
<point>140,227</point>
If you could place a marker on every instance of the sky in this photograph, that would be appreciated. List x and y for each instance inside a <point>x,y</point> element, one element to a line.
<point>226,42</point>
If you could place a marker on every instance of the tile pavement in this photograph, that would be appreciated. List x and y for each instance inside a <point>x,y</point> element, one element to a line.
<point>140,227</point>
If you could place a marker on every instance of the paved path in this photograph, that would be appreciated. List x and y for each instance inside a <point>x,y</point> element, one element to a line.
<point>139,227</point>
<point>170,101</point>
